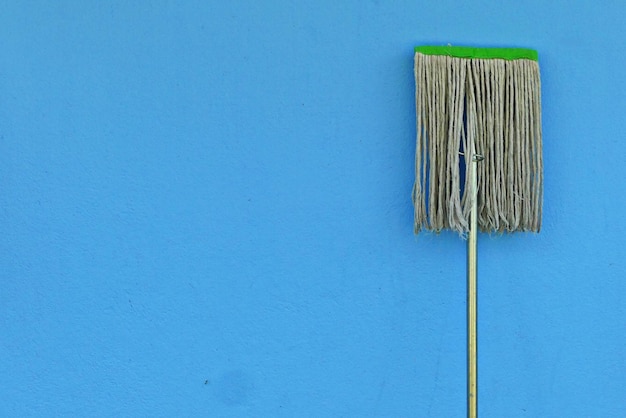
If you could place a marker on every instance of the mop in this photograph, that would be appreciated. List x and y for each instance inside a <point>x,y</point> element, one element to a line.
<point>478,160</point>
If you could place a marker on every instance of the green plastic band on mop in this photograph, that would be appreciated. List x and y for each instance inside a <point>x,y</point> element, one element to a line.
<point>483,53</point>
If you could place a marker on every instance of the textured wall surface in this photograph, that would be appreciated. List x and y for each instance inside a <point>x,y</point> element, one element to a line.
<point>205,211</point>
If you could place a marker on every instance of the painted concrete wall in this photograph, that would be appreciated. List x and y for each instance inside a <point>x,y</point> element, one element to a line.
<point>205,211</point>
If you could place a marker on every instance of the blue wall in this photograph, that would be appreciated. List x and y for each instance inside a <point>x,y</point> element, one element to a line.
<point>205,211</point>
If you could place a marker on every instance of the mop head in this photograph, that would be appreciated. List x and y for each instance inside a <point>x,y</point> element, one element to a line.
<point>485,101</point>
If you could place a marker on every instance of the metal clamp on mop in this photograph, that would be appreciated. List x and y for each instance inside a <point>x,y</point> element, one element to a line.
<point>478,114</point>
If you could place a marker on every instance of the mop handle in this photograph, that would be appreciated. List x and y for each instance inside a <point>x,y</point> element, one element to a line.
<point>472,389</point>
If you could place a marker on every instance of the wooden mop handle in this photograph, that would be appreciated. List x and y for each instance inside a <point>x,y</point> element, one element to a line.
<point>472,388</point>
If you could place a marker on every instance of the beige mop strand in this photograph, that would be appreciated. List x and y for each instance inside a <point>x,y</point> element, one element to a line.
<point>478,110</point>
